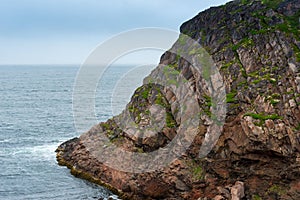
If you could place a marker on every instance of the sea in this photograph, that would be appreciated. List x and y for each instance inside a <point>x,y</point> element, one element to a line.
<point>36,116</point>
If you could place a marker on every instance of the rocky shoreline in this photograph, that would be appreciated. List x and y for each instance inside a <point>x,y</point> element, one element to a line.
<point>256,48</point>
<point>66,149</point>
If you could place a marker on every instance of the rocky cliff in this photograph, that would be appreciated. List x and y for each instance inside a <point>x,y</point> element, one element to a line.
<point>255,46</point>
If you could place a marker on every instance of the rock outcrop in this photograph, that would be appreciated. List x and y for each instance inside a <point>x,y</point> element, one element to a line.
<point>256,48</point>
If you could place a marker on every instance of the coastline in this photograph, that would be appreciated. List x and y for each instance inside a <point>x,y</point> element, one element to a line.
<point>61,150</point>
<point>257,156</point>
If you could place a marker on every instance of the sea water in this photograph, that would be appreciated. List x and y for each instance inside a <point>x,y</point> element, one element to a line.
<point>35,117</point>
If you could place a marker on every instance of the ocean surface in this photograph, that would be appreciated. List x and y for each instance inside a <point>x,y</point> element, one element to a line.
<point>36,116</point>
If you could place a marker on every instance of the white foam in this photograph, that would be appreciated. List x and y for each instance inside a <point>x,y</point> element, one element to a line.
<point>46,151</point>
<point>5,140</point>
<point>114,197</point>
<point>41,152</point>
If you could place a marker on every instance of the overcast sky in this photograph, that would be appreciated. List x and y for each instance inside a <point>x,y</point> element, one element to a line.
<point>66,31</point>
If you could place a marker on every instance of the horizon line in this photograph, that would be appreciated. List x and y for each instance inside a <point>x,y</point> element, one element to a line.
<point>59,64</point>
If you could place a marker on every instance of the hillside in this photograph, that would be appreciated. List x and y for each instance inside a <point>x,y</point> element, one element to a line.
<point>255,46</point>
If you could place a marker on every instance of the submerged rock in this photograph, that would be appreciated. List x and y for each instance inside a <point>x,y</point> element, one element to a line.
<point>256,48</point>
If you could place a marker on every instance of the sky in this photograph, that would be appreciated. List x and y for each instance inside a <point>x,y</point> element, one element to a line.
<point>66,31</point>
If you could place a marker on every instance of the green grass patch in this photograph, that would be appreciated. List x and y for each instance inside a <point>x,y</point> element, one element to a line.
<point>274,102</point>
<point>160,100</point>
<point>276,95</point>
<point>208,101</point>
<point>263,117</point>
<point>242,83</point>
<point>296,51</point>
<point>271,3</point>
<point>256,81</point>
<point>256,197</point>
<point>170,71</point>
<point>294,24</point>
<point>183,39</point>
<point>245,42</point>
<point>230,97</point>
<point>253,74</point>
<point>178,56</point>
<point>198,172</point>
<point>298,127</point>
<point>277,190</point>
<point>244,73</point>
<point>225,66</point>
<point>105,126</point>
<point>145,93</point>
<point>170,121</point>
<point>261,31</point>
<point>206,111</point>
<point>203,36</point>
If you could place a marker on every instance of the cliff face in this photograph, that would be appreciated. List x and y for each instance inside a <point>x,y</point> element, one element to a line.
<point>256,48</point>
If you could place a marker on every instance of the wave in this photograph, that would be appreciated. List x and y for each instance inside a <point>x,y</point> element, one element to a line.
<point>5,140</point>
<point>41,152</point>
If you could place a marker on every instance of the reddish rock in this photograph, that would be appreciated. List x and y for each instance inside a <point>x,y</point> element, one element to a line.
<point>256,50</point>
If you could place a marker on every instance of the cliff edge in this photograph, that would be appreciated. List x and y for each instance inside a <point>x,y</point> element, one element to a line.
<point>255,46</point>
